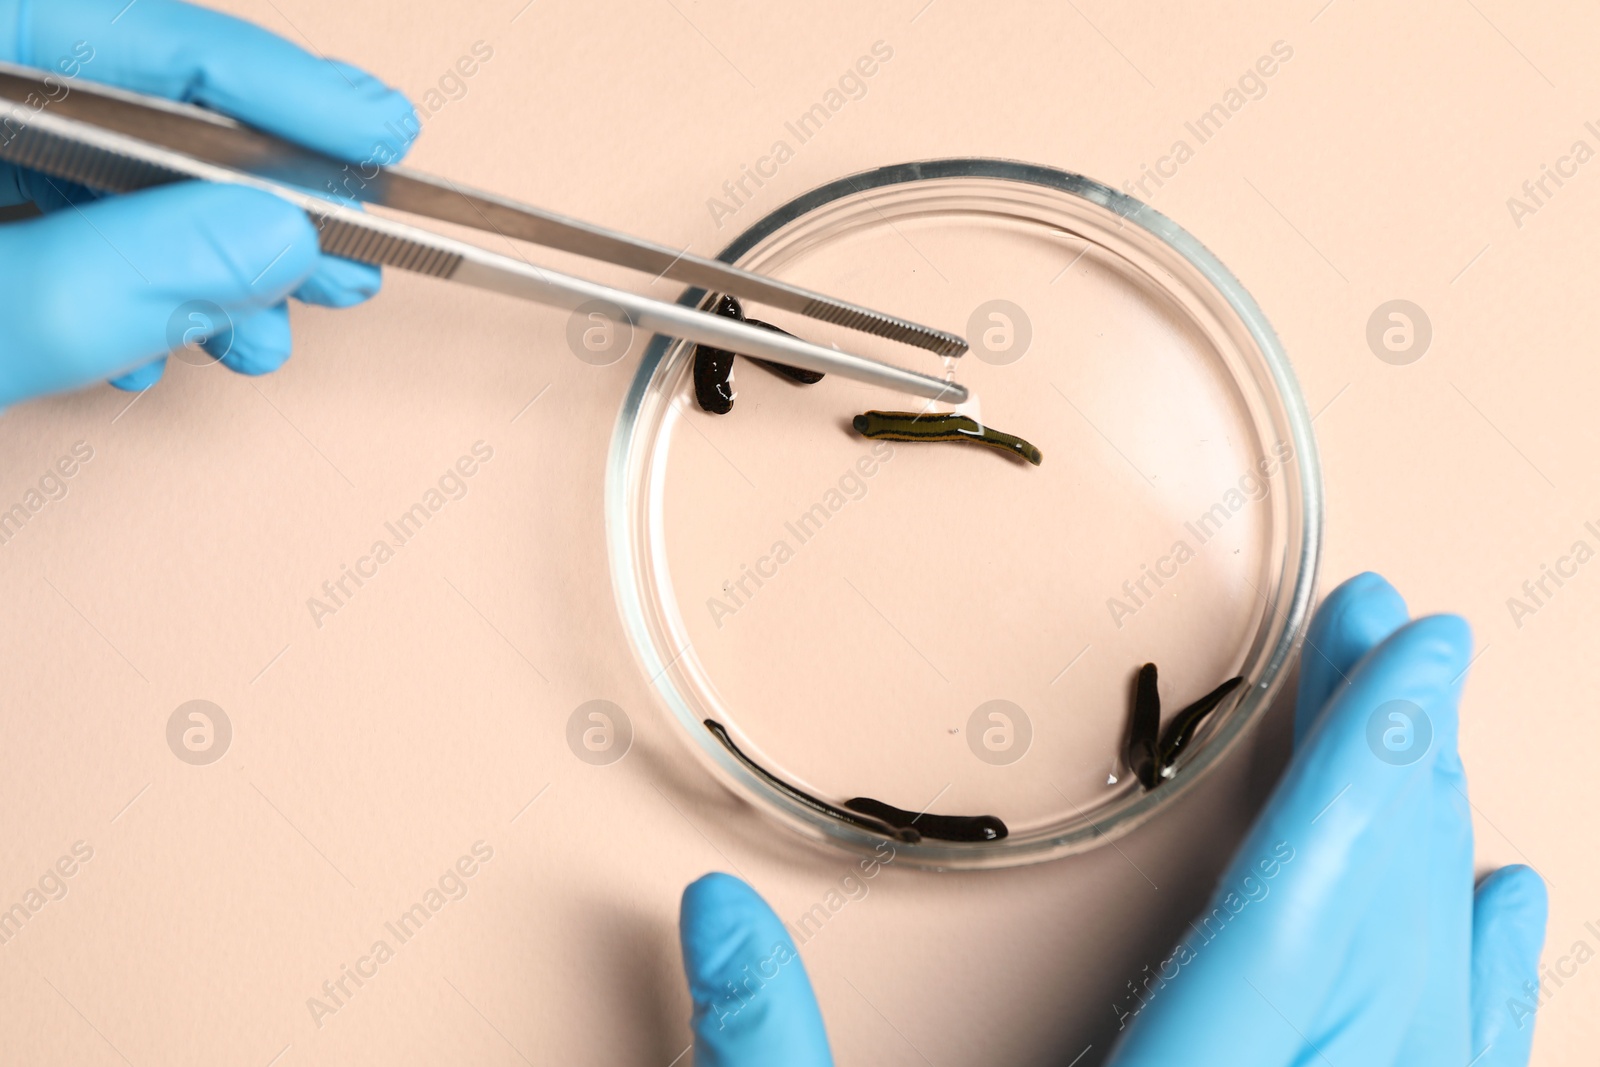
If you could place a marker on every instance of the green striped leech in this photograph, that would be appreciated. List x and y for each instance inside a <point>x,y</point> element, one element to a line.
<point>875,815</point>
<point>1154,760</point>
<point>910,426</point>
<point>713,367</point>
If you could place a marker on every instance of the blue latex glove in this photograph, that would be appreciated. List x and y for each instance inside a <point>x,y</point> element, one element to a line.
<point>1370,945</point>
<point>94,288</point>
<point>1346,932</point>
<point>752,1000</point>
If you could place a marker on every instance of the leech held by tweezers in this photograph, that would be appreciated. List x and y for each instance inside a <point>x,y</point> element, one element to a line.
<point>713,367</point>
<point>910,426</point>
<point>116,141</point>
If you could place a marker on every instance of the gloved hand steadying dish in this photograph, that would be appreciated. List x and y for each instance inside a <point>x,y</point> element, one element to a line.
<point>1346,932</point>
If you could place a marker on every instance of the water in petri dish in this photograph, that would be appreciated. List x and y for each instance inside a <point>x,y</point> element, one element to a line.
<point>941,626</point>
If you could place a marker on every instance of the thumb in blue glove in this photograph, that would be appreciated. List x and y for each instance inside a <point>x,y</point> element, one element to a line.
<point>753,1003</point>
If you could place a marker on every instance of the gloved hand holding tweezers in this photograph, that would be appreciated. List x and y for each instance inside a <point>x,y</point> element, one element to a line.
<point>90,290</point>
<point>321,138</point>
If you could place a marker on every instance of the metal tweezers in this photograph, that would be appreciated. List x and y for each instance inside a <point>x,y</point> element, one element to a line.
<point>115,141</point>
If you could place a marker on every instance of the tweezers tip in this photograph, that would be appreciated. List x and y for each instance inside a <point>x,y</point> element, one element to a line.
<point>939,342</point>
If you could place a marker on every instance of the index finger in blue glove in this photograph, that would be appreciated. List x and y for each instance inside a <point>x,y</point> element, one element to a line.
<point>753,1003</point>
<point>1352,621</point>
<point>189,53</point>
<point>1439,882</point>
<point>176,50</point>
<point>1416,944</point>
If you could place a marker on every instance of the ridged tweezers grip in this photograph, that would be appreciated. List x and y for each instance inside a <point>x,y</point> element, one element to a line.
<point>98,168</point>
<point>339,238</point>
<point>884,326</point>
<point>114,172</point>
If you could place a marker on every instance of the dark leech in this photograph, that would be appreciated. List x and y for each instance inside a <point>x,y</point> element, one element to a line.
<point>713,367</point>
<point>909,426</point>
<point>1153,761</point>
<point>1180,731</point>
<point>899,833</point>
<point>933,827</point>
<point>794,374</point>
<point>1143,727</point>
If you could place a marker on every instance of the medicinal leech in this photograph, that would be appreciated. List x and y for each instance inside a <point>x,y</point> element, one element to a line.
<point>875,815</point>
<point>713,390</point>
<point>937,426</point>
<point>1150,753</point>
<point>713,367</point>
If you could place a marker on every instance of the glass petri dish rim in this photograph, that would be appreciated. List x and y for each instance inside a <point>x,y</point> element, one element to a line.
<point>625,534</point>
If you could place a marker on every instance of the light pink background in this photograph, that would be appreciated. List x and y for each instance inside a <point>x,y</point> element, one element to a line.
<point>369,754</point>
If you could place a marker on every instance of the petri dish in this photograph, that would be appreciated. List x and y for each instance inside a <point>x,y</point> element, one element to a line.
<point>942,627</point>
